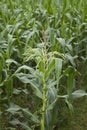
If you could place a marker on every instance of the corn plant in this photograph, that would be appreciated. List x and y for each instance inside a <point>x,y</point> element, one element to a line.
<point>43,82</point>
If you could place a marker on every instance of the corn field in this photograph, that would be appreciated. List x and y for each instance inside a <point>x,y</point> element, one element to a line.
<point>43,57</point>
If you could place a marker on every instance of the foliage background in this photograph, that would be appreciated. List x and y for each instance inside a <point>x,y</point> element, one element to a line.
<point>30,32</point>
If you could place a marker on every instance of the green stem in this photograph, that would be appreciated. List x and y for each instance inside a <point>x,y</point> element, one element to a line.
<point>44,106</point>
<point>44,100</point>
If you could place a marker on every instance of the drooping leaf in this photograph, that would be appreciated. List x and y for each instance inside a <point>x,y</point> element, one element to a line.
<point>26,78</point>
<point>24,67</point>
<point>78,94</point>
<point>13,108</point>
<point>33,117</point>
<point>9,61</point>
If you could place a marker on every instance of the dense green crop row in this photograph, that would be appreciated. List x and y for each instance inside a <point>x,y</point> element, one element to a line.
<point>43,56</point>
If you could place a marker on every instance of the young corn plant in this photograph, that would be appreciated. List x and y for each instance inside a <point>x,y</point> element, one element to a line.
<point>43,78</point>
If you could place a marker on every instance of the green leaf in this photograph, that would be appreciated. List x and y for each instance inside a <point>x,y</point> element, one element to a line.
<point>27,78</point>
<point>16,91</point>
<point>70,58</point>
<point>61,41</point>
<point>78,94</point>
<point>52,94</point>
<point>9,61</point>
<point>58,68</point>
<point>24,67</point>
<point>13,108</point>
<point>51,106</point>
<point>15,122</point>
<point>33,117</point>
<point>71,73</point>
<point>9,86</point>
<point>50,67</point>
<point>69,105</point>
<point>51,83</point>
<point>25,126</point>
<point>2,61</point>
